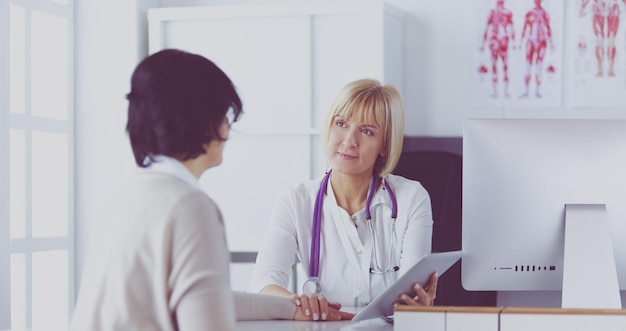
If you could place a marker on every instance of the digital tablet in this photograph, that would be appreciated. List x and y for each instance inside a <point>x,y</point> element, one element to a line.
<point>382,305</point>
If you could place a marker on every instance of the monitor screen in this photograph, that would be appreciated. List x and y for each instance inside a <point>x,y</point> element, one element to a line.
<point>518,176</point>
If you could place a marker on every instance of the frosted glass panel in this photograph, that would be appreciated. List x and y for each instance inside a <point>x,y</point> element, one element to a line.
<point>50,296</point>
<point>49,66</point>
<point>274,85</point>
<point>17,171</point>
<point>49,184</point>
<point>17,56</point>
<point>255,171</point>
<point>18,291</point>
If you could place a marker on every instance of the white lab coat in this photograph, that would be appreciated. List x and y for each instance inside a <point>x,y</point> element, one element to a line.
<point>344,263</point>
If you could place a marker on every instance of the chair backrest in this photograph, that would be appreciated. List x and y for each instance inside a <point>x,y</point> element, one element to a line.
<point>440,173</point>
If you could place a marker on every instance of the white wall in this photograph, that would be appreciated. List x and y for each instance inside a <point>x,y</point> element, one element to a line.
<point>437,54</point>
<point>439,44</point>
<point>108,46</point>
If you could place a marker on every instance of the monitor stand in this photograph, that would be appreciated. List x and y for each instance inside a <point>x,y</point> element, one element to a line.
<point>589,272</point>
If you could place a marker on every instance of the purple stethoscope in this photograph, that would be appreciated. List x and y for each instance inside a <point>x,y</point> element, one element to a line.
<point>312,285</point>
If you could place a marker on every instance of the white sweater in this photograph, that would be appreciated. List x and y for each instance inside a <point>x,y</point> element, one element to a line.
<point>161,262</point>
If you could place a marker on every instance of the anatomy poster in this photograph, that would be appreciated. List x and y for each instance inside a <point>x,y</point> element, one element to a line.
<point>596,53</point>
<point>518,53</point>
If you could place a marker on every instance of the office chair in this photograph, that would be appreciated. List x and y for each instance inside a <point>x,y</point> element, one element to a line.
<point>440,173</point>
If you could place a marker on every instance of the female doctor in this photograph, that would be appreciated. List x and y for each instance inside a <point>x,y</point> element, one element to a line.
<point>357,228</point>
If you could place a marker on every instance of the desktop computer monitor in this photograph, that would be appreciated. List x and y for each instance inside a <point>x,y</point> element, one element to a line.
<point>518,177</point>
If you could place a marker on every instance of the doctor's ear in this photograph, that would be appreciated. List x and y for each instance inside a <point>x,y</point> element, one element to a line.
<point>384,153</point>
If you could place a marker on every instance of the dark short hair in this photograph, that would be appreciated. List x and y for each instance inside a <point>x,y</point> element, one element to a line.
<point>177,103</point>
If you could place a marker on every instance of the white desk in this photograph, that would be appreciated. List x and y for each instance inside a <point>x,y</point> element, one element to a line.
<point>377,324</point>
<point>286,325</point>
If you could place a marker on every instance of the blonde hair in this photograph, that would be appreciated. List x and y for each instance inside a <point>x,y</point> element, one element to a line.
<point>367,99</point>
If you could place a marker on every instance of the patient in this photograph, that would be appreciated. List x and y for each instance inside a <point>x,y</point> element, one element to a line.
<point>162,262</point>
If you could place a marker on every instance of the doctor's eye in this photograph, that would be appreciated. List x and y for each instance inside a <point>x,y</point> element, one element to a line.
<point>368,132</point>
<point>340,122</point>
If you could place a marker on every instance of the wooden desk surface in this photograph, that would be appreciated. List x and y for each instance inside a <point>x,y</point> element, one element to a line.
<point>511,310</point>
<point>509,318</point>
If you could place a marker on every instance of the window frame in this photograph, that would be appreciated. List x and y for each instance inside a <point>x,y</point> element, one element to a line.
<point>5,248</point>
<point>29,124</point>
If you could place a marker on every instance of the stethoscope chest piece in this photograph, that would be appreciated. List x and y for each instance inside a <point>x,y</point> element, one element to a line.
<point>312,286</point>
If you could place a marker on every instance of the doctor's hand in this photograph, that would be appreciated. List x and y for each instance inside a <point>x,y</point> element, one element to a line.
<point>316,307</point>
<point>423,295</point>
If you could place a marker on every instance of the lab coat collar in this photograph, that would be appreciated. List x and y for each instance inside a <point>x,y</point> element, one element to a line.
<point>170,166</point>
<point>381,196</point>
